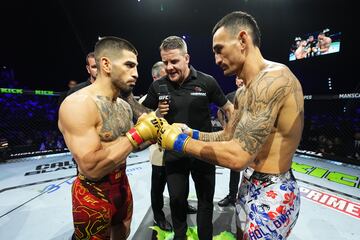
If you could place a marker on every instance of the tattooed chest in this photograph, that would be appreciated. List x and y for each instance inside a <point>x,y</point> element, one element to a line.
<point>115,121</point>
<point>241,101</point>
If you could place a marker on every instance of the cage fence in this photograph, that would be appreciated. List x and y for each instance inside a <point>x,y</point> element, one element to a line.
<point>28,125</point>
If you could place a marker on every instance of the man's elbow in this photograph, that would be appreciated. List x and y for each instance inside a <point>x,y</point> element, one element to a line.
<point>239,162</point>
<point>89,172</point>
<point>88,169</point>
<point>93,175</point>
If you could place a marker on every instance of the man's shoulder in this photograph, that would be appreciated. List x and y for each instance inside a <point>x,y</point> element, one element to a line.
<point>80,96</point>
<point>277,71</point>
<point>78,87</point>
<point>205,80</point>
<point>160,81</point>
<point>80,103</point>
<point>203,75</point>
<point>163,80</point>
<point>274,66</point>
<point>277,77</point>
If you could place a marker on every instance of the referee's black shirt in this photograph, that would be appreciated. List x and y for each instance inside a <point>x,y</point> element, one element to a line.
<point>190,101</point>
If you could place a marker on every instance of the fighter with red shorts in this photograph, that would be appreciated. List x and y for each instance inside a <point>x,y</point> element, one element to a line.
<point>99,204</point>
<point>98,129</point>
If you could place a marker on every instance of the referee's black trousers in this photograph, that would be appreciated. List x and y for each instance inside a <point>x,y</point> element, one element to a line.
<point>203,175</point>
<point>158,182</point>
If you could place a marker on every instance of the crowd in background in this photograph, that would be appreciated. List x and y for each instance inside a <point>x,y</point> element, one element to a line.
<point>29,123</point>
<point>332,135</point>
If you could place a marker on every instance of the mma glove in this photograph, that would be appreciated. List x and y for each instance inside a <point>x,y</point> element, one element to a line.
<point>146,129</point>
<point>171,137</point>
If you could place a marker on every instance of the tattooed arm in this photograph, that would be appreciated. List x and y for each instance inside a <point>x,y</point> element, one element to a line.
<point>251,129</point>
<point>229,127</point>
<point>136,107</point>
<point>224,135</point>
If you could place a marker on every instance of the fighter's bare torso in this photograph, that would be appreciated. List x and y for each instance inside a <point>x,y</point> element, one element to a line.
<point>277,151</point>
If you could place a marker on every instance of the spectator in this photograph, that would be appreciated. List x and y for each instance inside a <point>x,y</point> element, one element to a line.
<point>92,71</point>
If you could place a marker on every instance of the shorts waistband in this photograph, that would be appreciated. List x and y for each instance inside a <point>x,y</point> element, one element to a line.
<point>274,177</point>
<point>113,177</point>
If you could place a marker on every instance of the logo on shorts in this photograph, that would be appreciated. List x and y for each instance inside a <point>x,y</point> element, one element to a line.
<point>117,175</point>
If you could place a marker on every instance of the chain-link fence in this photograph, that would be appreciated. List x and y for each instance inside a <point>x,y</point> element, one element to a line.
<point>28,123</point>
<point>332,126</point>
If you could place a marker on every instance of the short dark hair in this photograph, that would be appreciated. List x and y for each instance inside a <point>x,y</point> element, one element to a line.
<point>89,55</point>
<point>173,42</point>
<point>109,46</point>
<point>236,21</point>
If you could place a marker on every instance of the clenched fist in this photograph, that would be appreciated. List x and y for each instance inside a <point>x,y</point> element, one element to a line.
<point>146,129</point>
<point>171,137</point>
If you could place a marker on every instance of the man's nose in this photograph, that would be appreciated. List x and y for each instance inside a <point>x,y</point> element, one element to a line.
<point>169,67</point>
<point>218,59</point>
<point>135,74</point>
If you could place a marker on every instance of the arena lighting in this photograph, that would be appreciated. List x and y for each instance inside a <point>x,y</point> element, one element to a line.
<point>185,37</point>
<point>329,82</point>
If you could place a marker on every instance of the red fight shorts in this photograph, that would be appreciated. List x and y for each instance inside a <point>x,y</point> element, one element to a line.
<point>98,205</point>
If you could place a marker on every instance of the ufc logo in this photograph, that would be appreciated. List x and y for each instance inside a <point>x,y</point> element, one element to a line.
<point>159,139</point>
<point>164,98</point>
<point>162,131</point>
<point>156,124</point>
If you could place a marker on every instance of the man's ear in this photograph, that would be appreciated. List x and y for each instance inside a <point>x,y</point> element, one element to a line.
<point>105,64</point>
<point>243,36</point>
<point>187,58</point>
